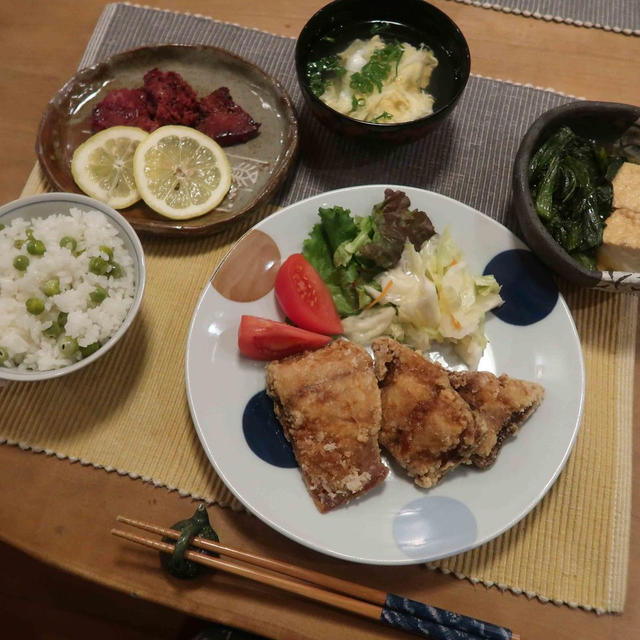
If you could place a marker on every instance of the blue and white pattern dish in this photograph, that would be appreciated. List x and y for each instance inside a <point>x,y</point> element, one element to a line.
<point>532,336</point>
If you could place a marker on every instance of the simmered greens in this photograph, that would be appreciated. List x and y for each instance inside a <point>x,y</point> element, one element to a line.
<point>570,179</point>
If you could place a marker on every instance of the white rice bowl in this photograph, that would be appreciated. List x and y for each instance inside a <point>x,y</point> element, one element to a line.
<point>22,340</point>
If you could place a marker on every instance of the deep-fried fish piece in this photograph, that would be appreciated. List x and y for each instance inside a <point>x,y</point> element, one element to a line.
<point>426,426</point>
<point>434,419</point>
<point>329,406</point>
<point>500,406</point>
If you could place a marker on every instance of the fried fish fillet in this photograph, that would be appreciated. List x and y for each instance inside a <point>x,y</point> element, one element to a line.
<point>500,406</point>
<point>434,419</point>
<point>426,426</point>
<point>329,406</point>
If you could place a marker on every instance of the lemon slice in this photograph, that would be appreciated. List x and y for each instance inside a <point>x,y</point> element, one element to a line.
<point>180,172</point>
<point>102,166</point>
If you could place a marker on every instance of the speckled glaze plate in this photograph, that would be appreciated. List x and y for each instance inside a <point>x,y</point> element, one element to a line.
<point>532,336</point>
<point>259,166</point>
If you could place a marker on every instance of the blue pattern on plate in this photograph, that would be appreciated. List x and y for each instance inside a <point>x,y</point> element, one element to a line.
<point>263,432</point>
<point>528,288</point>
<point>424,526</point>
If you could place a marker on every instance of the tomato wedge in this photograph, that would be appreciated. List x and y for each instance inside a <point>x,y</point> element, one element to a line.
<point>305,298</point>
<point>263,339</point>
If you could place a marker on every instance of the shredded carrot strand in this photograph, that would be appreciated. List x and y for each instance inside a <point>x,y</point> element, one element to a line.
<point>383,293</point>
<point>456,324</point>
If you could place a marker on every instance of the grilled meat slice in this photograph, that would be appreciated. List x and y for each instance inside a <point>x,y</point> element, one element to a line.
<point>172,99</point>
<point>224,120</point>
<point>500,406</point>
<point>426,426</point>
<point>127,107</point>
<point>329,406</point>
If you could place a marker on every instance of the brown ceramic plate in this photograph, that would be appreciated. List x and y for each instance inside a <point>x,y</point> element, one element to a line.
<point>259,166</point>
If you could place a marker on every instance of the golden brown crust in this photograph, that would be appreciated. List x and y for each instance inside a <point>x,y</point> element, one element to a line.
<point>434,419</point>
<point>500,406</point>
<point>426,426</point>
<point>329,406</point>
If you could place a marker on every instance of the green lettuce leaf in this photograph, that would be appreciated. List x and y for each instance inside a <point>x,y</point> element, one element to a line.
<point>345,252</point>
<point>317,251</point>
<point>338,226</point>
<point>346,283</point>
<point>349,252</point>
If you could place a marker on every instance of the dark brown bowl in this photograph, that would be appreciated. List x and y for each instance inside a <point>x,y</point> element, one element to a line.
<point>259,166</point>
<point>601,121</point>
<point>415,21</point>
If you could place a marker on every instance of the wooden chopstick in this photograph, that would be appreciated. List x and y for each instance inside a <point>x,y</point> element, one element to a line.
<point>293,586</point>
<point>375,596</point>
<point>394,610</point>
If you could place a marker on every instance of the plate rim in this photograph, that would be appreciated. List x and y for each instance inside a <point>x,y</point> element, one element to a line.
<point>167,227</point>
<point>575,429</point>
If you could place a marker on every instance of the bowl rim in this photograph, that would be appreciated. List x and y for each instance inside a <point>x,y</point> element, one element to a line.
<point>123,227</point>
<point>380,126</point>
<point>554,255</point>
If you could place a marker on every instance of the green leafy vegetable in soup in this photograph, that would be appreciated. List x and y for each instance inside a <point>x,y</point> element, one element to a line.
<point>376,80</point>
<point>320,71</point>
<point>380,28</point>
<point>570,180</point>
<point>377,69</point>
<point>385,115</point>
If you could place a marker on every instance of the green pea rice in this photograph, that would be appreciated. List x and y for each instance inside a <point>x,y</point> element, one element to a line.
<point>23,335</point>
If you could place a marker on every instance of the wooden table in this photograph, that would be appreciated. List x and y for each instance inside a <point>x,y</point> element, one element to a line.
<point>66,510</point>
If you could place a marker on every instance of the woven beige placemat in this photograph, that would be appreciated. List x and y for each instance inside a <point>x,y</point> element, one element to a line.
<point>573,547</point>
<point>128,413</point>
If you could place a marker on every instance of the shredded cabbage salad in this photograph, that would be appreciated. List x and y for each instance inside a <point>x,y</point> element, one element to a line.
<point>389,273</point>
<point>429,296</point>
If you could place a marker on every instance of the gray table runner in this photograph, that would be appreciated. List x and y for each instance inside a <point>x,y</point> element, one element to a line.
<point>621,16</point>
<point>469,157</point>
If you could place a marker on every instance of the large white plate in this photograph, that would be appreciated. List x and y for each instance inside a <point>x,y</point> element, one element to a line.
<point>397,523</point>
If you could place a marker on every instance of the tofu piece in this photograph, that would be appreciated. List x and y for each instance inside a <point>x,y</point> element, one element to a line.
<point>626,187</point>
<point>620,248</point>
<point>328,403</point>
